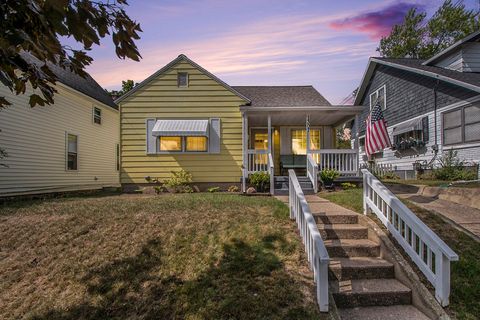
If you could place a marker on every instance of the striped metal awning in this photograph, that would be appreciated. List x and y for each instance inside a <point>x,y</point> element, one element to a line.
<point>411,125</point>
<point>180,128</point>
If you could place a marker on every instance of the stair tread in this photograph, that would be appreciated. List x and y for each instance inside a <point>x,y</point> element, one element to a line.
<point>370,286</point>
<point>350,243</point>
<point>359,262</point>
<point>341,226</point>
<point>397,312</point>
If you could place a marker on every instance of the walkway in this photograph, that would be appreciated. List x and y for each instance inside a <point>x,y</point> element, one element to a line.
<point>362,283</point>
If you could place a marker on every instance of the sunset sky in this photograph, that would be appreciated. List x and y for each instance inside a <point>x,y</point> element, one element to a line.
<point>260,42</point>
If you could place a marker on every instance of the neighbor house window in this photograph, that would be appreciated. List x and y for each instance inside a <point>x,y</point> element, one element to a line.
<point>196,144</point>
<point>72,152</point>
<point>299,141</point>
<point>461,125</point>
<point>182,79</point>
<point>170,143</point>
<point>379,97</point>
<point>97,115</point>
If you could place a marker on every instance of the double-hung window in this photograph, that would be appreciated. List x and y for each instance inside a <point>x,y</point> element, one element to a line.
<point>461,125</point>
<point>299,141</point>
<point>97,115</point>
<point>379,97</point>
<point>72,152</point>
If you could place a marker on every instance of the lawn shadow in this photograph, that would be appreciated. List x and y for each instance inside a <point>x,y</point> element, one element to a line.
<point>248,282</point>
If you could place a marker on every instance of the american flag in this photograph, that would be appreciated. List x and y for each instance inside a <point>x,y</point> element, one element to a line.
<point>376,137</point>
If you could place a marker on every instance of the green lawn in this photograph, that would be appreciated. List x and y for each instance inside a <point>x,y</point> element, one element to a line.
<point>191,256</point>
<point>465,274</point>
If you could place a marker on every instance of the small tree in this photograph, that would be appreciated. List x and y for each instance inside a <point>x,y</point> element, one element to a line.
<point>127,85</point>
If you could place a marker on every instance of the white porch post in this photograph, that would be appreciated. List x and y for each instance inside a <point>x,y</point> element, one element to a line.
<point>245,151</point>
<point>307,129</point>
<point>269,133</point>
<point>272,186</point>
<point>356,145</point>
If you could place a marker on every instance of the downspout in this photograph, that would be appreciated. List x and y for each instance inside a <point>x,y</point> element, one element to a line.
<point>435,107</point>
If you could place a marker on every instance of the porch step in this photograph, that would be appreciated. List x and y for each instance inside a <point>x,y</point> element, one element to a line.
<point>400,312</point>
<point>370,292</point>
<point>281,185</point>
<point>360,268</point>
<point>345,248</point>
<point>335,217</point>
<point>342,231</point>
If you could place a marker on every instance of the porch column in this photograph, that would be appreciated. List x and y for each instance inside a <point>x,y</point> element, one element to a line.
<point>269,133</point>
<point>307,127</point>
<point>356,145</point>
<point>244,151</point>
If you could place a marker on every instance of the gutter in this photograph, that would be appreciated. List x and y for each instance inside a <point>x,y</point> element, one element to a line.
<point>347,109</point>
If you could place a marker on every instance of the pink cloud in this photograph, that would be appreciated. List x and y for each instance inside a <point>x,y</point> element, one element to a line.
<point>376,23</point>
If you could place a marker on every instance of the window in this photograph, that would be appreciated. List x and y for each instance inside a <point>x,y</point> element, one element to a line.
<point>260,139</point>
<point>461,125</point>
<point>97,115</point>
<point>117,156</point>
<point>299,141</point>
<point>170,143</point>
<point>379,96</point>
<point>196,144</point>
<point>72,152</point>
<point>361,143</point>
<point>182,79</point>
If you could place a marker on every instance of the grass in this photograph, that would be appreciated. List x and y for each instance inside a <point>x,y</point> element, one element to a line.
<point>465,273</point>
<point>195,256</point>
<point>433,183</point>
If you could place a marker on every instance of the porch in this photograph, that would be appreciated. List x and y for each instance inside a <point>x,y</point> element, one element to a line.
<point>277,139</point>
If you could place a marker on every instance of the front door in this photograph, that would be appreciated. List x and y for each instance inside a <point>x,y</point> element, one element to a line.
<point>259,141</point>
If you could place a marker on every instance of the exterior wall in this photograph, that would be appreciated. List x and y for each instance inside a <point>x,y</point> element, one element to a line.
<point>161,98</point>
<point>35,140</point>
<point>410,96</point>
<point>453,61</point>
<point>471,57</point>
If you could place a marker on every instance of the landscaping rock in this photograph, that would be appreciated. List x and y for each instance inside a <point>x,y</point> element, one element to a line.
<point>196,189</point>
<point>251,190</point>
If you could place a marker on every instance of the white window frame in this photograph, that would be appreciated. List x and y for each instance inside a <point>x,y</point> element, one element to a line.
<point>187,79</point>
<point>94,116</point>
<point>384,87</point>
<point>66,151</point>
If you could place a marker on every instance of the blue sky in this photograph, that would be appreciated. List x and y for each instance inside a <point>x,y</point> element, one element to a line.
<point>260,42</point>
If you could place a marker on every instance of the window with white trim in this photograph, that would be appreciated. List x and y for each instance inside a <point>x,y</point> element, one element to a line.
<point>97,115</point>
<point>461,125</point>
<point>182,79</point>
<point>183,143</point>
<point>379,96</point>
<point>72,152</point>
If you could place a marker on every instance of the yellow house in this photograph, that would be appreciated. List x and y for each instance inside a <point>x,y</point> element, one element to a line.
<point>184,117</point>
<point>70,145</point>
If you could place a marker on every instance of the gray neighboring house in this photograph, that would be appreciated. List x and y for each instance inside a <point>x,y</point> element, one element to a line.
<point>430,106</point>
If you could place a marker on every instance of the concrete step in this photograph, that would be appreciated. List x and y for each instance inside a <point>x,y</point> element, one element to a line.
<point>336,217</point>
<point>399,312</point>
<point>370,292</point>
<point>360,268</point>
<point>345,248</point>
<point>342,231</point>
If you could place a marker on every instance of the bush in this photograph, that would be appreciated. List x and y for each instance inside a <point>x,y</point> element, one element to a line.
<point>348,185</point>
<point>452,168</point>
<point>233,189</point>
<point>179,182</point>
<point>328,176</point>
<point>389,176</point>
<point>213,189</point>
<point>260,180</point>
<point>159,189</point>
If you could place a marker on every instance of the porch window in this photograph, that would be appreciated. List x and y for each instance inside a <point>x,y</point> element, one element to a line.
<point>170,143</point>
<point>461,125</point>
<point>196,144</point>
<point>260,140</point>
<point>299,141</point>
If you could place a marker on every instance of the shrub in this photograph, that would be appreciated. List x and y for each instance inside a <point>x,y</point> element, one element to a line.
<point>452,168</point>
<point>233,189</point>
<point>179,182</point>
<point>213,189</point>
<point>159,189</point>
<point>328,176</point>
<point>348,185</point>
<point>260,180</point>
<point>389,176</point>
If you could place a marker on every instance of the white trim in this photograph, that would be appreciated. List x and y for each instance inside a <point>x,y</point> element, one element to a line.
<point>451,48</point>
<point>384,87</point>
<point>187,80</point>
<point>67,133</point>
<point>93,115</point>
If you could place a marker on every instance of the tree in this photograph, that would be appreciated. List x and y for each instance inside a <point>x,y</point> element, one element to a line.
<point>127,85</point>
<point>417,38</point>
<point>36,27</point>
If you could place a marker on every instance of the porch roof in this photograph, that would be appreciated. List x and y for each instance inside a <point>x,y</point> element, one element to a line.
<point>296,116</point>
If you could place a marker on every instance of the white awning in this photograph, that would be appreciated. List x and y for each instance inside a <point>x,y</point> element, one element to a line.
<point>411,125</point>
<point>180,128</point>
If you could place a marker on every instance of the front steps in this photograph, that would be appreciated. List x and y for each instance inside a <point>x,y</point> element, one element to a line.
<point>363,284</point>
<point>281,185</point>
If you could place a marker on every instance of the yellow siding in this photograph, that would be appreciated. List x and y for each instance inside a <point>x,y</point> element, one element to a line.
<point>204,98</point>
<point>34,139</point>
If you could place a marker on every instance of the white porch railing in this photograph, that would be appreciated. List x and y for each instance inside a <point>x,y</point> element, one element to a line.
<point>257,161</point>
<point>316,252</point>
<point>378,169</point>
<point>427,250</point>
<point>271,172</point>
<point>345,161</point>
<point>312,172</point>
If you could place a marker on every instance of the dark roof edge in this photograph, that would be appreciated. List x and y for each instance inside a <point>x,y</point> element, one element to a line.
<point>66,86</point>
<point>371,65</point>
<point>171,64</point>
<point>470,37</point>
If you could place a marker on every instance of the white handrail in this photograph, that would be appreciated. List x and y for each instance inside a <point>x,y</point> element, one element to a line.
<point>345,161</point>
<point>271,171</point>
<point>427,250</point>
<point>316,252</point>
<point>312,172</point>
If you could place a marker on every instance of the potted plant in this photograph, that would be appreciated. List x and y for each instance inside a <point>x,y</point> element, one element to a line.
<point>327,177</point>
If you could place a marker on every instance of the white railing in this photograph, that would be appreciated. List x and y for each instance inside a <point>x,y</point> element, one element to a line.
<point>271,172</point>
<point>427,250</point>
<point>312,172</point>
<point>345,161</point>
<point>378,169</point>
<point>257,161</point>
<point>316,252</point>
